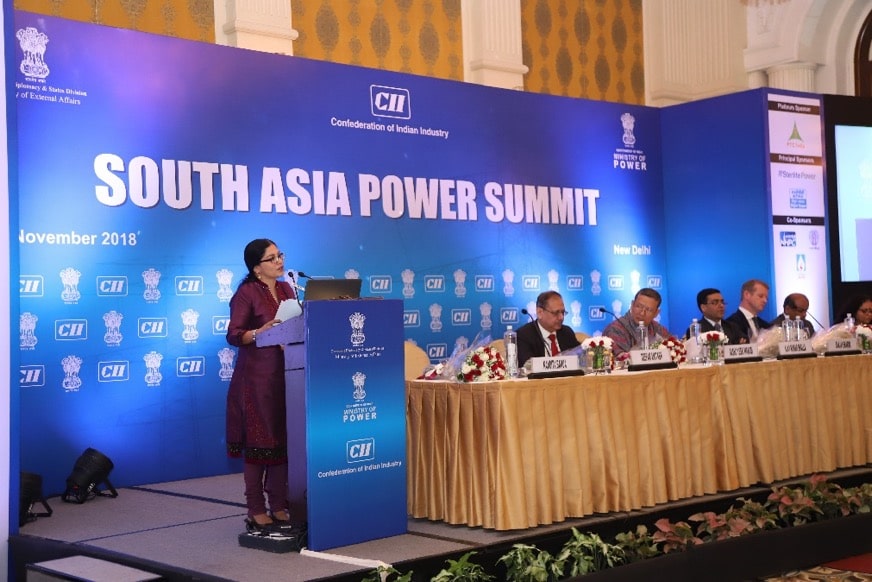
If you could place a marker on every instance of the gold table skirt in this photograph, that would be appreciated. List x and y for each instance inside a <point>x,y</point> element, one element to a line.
<point>518,454</point>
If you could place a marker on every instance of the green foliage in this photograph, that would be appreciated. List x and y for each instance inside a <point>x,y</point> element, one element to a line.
<point>526,563</point>
<point>387,573</point>
<point>676,536</point>
<point>462,570</point>
<point>637,545</point>
<point>585,553</point>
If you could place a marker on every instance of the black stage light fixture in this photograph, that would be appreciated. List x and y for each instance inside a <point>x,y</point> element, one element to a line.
<point>29,494</point>
<point>91,470</point>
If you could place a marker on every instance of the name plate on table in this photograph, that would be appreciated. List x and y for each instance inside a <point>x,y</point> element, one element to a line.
<point>842,347</point>
<point>553,367</point>
<point>801,349</point>
<point>738,353</point>
<point>658,359</point>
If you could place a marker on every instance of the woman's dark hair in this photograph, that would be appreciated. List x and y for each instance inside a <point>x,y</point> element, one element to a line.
<point>252,256</point>
<point>852,306</point>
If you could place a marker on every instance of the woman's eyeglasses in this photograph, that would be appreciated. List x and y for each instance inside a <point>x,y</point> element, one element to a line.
<point>274,260</point>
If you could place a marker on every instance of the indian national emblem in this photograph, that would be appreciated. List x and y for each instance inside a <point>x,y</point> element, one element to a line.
<point>33,44</point>
<point>352,274</point>
<point>72,365</point>
<point>629,122</point>
<point>152,368</point>
<point>485,310</point>
<point>70,278</point>
<point>575,309</point>
<point>189,320</point>
<point>461,344</point>
<point>359,379</point>
<point>113,336</point>
<point>357,320</point>
<point>151,278</point>
<point>508,280</point>
<point>225,357</point>
<point>617,305</point>
<point>595,287</point>
<point>26,331</point>
<point>634,281</point>
<point>225,277</point>
<point>553,277</point>
<point>435,317</point>
<point>460,283</point>
<point>408,277</point>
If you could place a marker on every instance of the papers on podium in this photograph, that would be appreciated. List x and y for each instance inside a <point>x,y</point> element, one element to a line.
<point>288,309</point>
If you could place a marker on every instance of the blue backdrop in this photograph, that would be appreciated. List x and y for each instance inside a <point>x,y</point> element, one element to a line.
<point>147,163</point>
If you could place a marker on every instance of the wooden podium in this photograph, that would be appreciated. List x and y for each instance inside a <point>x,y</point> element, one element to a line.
<point>346,420</point>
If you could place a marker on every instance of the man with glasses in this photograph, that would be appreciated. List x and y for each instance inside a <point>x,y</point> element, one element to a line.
<point>547,336</point>
<point>624,331</point>
<point>712,306</point>
<point>795,305</point>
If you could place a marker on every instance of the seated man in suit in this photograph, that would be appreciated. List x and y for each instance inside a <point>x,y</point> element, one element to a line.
<point>547,336</point>
<point>755,296</point>
<point>624,331</point>
<point>796,305</point>
<point>712,305</point>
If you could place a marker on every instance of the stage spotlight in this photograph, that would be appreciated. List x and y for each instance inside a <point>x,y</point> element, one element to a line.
<point>30,493</point>
<point>91,470</point>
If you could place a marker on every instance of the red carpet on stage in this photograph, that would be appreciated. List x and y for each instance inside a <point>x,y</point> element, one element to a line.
<point>855,569</point>
<point>860,564</point>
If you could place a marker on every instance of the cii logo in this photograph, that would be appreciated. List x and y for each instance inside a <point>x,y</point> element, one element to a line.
<point>616,282</point>
<point>594,313</point>
<point>412,318</point>
<point>461,317</point>
<point>655,281</point>
<point>191,366</point>
<point>30,286</point>
<point>787,238</point>
<point>360,450</point>
<point>189,285</point>
<point>151,327</point>
<point>509,315</point>
<point>434,284</point>
<point>390,102</point>
<point>574,282</point>
<point>530,282</point>
<point>220,323</point>
<point>71,329</point>
<point>111,286</point>
<point>113,371</point>
<point>437,351</point>
<point>380,284</point>
<point>484,283</point>
<point>32,376</point>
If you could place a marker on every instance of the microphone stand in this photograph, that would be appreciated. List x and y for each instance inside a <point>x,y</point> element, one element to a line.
<point>618,319</point>
<point>815,320</point>
<point>546,345</point>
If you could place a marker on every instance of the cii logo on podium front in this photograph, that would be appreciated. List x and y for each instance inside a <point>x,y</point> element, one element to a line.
<point>390,102</point>
<point>360,450</point>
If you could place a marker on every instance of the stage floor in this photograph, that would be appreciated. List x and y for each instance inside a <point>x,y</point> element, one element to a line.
<point>189,529</point>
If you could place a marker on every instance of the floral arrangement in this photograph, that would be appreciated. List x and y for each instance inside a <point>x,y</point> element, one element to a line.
<point>677,350</point>
<point>820,339</point>
<point>597,342</point>
<point>864,336</point>
<point>713,337</point>
<point>483,364</point>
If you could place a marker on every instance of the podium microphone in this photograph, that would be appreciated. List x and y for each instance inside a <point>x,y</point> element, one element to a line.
<point>527,313</point>
<point>618,319</point>
<point>293,275</point>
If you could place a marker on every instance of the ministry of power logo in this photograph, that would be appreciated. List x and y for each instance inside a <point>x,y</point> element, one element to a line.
<point>628,158</point>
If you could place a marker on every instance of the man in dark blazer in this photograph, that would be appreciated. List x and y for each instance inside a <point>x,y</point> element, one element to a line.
<point>755,296</point>
<point>795,306</point>
<point>547,336</point>
<point>712,306</point>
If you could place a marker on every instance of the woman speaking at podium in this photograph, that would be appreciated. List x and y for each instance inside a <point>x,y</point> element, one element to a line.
<point>256,427</point>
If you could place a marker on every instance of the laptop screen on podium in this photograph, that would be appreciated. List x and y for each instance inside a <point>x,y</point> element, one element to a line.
<point>332,289</point>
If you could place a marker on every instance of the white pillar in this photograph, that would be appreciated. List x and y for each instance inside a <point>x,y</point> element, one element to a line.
<point>492,43</point>
<point>793,76</point>
<point>261,25</point>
